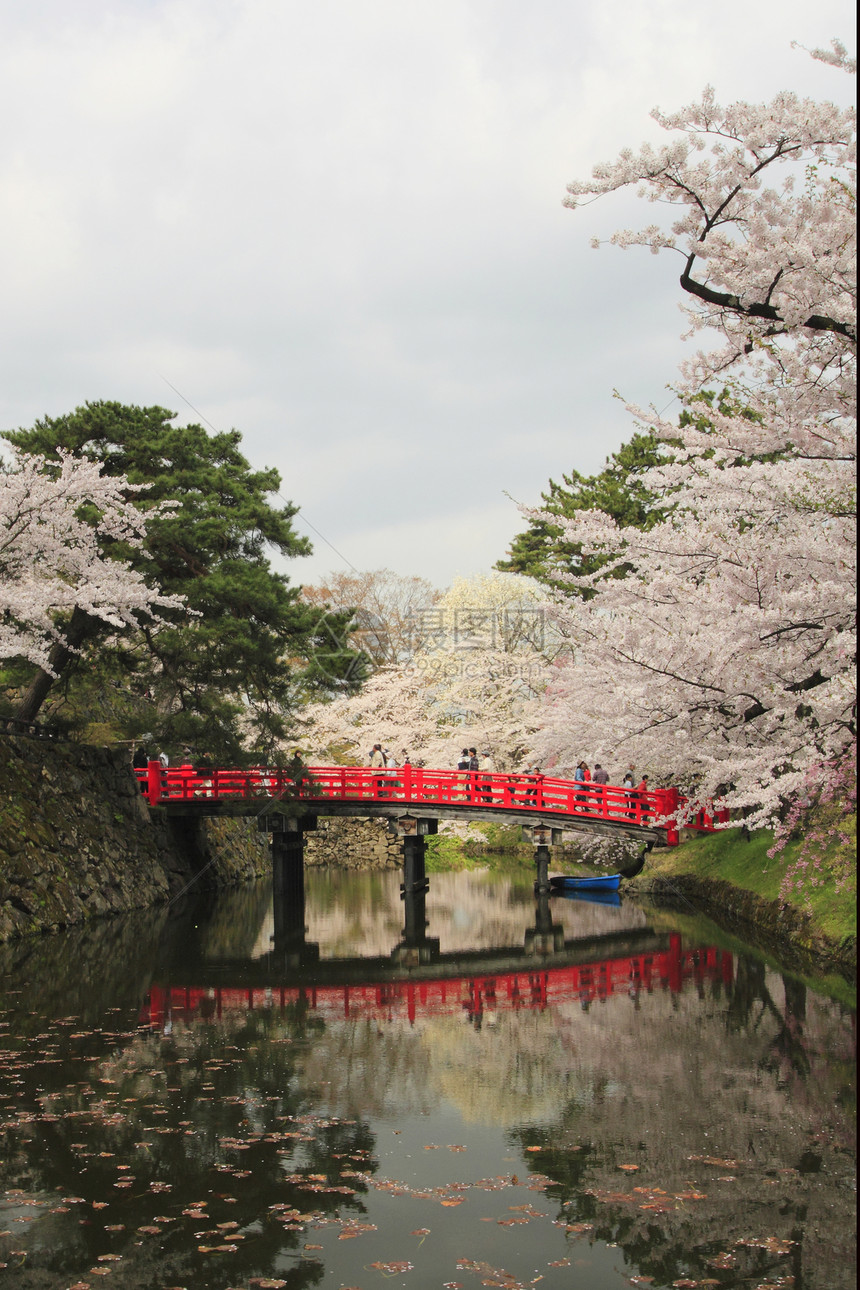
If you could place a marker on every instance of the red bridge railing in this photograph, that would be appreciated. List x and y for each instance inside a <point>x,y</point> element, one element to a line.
<point>419,786</point>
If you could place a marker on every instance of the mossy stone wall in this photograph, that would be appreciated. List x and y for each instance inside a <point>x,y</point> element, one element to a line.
<point>77,840</point>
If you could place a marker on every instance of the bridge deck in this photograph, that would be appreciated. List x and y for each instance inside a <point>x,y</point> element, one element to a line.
<point>357,790</point>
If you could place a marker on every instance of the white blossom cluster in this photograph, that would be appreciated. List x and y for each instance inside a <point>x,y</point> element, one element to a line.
<point>54,519</point>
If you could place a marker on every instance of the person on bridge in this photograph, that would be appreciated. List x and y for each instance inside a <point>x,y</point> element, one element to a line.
<point>600,776</point>
<point>586,779</point>
<point>471,781</point>
<point>463,764</point>
<point>642,794</point>
<point>627,783</point>
<point>579,777</point>
<point>534,780</point>
<point>378,760</point>
<point>486,784</point>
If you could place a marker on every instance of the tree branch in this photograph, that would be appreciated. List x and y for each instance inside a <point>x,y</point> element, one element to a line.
<point>815,322</point>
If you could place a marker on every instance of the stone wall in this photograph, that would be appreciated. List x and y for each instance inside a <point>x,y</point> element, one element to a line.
<point>78,840</point>
<point>353,844</point>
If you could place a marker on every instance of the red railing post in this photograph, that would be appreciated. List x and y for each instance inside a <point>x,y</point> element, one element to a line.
<point>187,773</point>
<point>153,782</point>
<point>669,805</point>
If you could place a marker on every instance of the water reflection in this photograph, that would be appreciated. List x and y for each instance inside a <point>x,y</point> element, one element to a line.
<point>543,1086</point>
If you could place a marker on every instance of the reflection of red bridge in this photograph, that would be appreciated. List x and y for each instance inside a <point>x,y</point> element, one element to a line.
<point>536,987</point>
<point>332,790</point>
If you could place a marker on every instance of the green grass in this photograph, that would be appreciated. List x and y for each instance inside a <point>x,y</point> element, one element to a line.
<point>744,862</point>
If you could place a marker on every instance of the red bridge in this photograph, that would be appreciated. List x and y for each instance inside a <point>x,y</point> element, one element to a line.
<point>350,790</point>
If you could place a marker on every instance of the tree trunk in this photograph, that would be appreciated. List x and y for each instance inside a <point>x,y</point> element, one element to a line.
<point>80,627</point>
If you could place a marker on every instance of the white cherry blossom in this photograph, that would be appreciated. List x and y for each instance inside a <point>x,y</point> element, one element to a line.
<point>725,660</point>
<point>52,559</point>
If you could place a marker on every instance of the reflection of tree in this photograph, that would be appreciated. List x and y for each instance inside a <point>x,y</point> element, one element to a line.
<point>788,1046</point>
<point>236,918</point>
<point>43,962</point>
<point>206,1119</point>
<point>746,992</point>
<point>750,999</point>
<point>710,1129</point>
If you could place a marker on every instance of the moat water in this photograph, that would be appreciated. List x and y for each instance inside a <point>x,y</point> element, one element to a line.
<point>576,1095</point>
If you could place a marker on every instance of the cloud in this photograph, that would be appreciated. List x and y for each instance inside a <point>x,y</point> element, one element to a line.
<point>339,228</point>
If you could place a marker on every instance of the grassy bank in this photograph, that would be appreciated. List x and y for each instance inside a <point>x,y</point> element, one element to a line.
<point>744,862</point>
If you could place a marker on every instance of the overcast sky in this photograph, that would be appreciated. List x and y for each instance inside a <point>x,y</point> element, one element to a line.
<point>337,226</point>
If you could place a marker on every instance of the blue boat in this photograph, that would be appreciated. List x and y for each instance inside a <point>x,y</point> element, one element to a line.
<point>600,882</point>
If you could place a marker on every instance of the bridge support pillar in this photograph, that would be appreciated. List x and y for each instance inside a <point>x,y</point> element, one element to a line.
<point>414,833</point>
<point>546,937</point>
<point>541,835</point>
<point>416,947</point>
<point>414,872</point>
<point>542,868</point>
<point>288,880</point>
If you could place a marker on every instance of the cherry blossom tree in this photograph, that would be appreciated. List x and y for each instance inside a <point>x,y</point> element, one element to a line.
<point>55,522</point>
<point>485,652</point>
<point>725,657</point>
